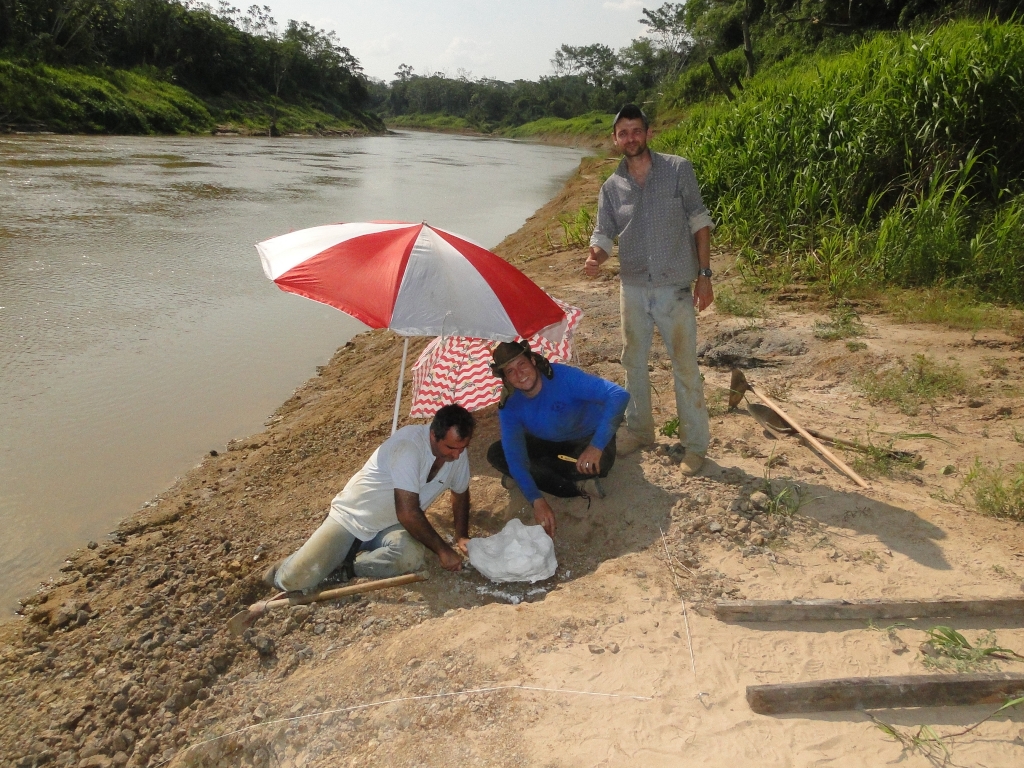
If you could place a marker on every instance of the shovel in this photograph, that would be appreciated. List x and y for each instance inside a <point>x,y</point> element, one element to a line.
<point>771,421</point>
<point>739,386</point>
<point>242,620</point>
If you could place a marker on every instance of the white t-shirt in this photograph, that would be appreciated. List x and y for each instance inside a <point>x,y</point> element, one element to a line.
<point>366,506</point>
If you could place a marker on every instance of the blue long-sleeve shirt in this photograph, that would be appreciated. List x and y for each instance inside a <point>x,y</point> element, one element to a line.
<point>572,405</point>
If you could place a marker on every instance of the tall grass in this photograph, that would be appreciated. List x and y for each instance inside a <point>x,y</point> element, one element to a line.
<point>900,162</point>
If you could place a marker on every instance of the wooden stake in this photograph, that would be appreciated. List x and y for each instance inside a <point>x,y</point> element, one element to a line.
<point>884,693</point>
<point>861,610</point>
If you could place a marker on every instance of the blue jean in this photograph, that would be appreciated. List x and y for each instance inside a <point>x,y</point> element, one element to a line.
<point>670,308</point>
<point>391,552</point>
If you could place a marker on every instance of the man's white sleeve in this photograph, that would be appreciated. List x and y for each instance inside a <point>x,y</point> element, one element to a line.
<point>604,230</point>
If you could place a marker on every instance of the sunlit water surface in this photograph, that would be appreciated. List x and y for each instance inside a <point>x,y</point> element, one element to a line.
<point>137,330</point>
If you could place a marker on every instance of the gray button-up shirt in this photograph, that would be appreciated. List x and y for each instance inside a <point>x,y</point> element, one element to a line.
<point>654,223</point>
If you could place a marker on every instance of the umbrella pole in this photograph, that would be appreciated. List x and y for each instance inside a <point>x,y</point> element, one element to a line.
<point>401,381</point>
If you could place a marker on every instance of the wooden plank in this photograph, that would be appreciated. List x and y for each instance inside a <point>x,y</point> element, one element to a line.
<point>884,693</point>
<point>859,610</point>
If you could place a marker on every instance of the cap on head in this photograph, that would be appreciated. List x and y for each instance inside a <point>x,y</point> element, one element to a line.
<point>505,352</point>
<point>631,112</point>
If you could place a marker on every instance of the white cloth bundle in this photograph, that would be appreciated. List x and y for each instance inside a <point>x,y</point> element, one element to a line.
<point>519,553</point>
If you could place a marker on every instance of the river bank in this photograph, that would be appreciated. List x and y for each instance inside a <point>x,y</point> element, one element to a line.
<point>37,98</point>
<point>125,658</point>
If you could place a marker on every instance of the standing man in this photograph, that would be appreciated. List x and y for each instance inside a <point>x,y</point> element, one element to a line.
<point>557,427</point>
<point>378,518</point>
<point>652,204</point>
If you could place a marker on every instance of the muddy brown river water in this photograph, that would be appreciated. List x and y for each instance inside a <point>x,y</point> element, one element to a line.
<point>137,330</point>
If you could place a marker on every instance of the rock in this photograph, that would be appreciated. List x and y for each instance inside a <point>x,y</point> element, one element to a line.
<point>641,574</point>
<point>264,645</point>
<point>742,526</point>
<point>96,761</point>
<point>260,713</point>
<point>595,648</point>
<point>715,527</point>
<point>92,545</point>
<point>119,759</point>
<point>613,647</point>
<point>757,540</point>
<point>759,500</point>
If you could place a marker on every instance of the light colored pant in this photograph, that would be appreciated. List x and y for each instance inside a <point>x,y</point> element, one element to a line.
<point>391,552</point>
<point>670,308</point>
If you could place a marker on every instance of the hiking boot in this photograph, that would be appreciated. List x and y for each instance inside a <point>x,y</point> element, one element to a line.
<point>270,574</point>
<point>691,463</point>
<point>630,442</point>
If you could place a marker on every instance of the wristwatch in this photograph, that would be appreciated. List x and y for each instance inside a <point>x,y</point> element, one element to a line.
<point>705,272</point>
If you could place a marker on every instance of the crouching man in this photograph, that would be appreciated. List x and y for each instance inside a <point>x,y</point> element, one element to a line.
<point>557,427</point>
<point>379,518</point>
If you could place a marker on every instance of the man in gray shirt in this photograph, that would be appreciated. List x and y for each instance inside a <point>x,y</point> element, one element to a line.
<point>653,205</point>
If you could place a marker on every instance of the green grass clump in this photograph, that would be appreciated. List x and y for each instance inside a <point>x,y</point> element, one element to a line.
<point>897,163</point>
<point>949,650</point>
<point>592,124</point>
<point>953,308</point>
<point>739,303</point>
<point>909,385</point>
<point>578,227</point>
<point>997,491</point>
<point>844,324</point>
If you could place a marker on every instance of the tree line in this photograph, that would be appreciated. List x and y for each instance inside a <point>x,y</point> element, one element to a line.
<point>690,51</point>
<point>208,51</point>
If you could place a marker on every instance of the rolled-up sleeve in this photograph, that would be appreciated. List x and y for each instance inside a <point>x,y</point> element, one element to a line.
<point>697,214</point>
<point>605,230</point>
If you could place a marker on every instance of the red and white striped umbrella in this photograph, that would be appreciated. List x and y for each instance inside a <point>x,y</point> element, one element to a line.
<point>455,369</point>
<point>415,279</point>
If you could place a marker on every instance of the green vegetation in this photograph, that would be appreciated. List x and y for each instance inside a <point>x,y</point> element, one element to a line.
<point>910,385</point>
<point>577,228</point>
<point>435,122</point>
<point>844,324</point>
<point>162,66</point>
<point>592,124</point>
<point>997,491</point>
<point>895,163</point>
<point>948,650</point>
<point>739,303</point>
<point>952,307</point>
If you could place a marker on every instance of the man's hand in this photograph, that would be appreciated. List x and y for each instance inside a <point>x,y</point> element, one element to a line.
<point>450,559</point>
<point>703,293</point>
<point>545,515</point>
<point>594,261</point>
<point>462,546</point>
<point>589,462</point>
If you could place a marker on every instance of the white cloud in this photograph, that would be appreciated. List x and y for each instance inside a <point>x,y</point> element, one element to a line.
<point>625,5</point>
<point>467,53</point>
<point>381,45</point>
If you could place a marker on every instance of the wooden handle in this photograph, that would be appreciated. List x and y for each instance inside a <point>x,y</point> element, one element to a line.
<point>355,589</point>
<point>812,440</point>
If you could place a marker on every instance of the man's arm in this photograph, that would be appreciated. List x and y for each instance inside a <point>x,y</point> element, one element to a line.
<point>407,507</point>
<point>460,513</point>
<point>601,239</point>
<point>703,292</point>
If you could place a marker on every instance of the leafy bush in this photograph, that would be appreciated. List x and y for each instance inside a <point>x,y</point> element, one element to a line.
<point>898,162</point>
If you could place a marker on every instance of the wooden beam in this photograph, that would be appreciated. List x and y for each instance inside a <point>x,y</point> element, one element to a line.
<point>860,610</point>
<point>884,693</point>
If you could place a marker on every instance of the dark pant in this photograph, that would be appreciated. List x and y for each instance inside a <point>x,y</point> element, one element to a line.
<point>552,474</point>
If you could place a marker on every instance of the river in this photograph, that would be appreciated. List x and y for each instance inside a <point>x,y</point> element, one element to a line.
<point>137,330</point>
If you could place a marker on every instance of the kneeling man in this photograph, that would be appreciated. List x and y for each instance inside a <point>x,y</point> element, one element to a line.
<point>379,513</point>
<point>549,411</point>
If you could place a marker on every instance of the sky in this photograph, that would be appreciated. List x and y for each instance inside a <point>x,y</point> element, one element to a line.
<point>505,39</point>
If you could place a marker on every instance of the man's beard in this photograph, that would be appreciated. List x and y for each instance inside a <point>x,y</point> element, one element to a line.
<point>637,153</point>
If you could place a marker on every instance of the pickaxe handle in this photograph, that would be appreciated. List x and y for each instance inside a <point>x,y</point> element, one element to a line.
<point>811,439</point>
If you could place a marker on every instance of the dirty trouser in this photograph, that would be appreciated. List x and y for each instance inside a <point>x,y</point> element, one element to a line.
<point>391,552</point>
<point>552,474</point>
<point>670,308</point>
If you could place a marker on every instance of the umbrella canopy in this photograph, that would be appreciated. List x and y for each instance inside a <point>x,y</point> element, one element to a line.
<point>415,279</point>
<point>454,369</point>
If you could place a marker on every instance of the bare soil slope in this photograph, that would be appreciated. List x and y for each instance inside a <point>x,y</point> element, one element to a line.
<point>124,659</point>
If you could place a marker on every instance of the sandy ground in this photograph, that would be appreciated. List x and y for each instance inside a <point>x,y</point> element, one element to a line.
<point>124,658</point>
